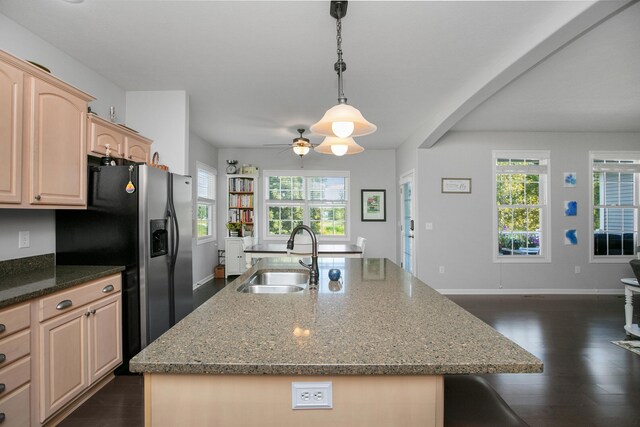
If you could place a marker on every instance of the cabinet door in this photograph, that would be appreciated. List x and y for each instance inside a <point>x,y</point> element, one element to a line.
<point>101,136</point>
<point>137,151</point>
<point>10,134</point>
<point>63,359</point>
<point>235,263</point>
<point>57,147</point>
<point>105,341</point>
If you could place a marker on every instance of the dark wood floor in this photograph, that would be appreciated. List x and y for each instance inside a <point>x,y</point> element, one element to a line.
<point>587,381</point>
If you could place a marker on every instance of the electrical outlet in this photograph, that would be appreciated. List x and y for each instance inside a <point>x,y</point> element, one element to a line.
<point>307,395</point>
<point>577,270</point>
<point>428,226</point>
<point>441,269</point>
<point>23,239</point>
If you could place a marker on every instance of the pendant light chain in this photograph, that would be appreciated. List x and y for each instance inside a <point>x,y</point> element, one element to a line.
<point>340,66</point>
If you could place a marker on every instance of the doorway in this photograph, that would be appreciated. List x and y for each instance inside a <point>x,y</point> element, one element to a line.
<point>407,222</point>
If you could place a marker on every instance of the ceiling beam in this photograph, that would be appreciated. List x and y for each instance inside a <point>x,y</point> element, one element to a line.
<point>430,133</point>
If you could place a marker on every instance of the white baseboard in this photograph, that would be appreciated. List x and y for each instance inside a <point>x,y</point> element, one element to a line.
<point>531,291</point>
<point>202,282</point>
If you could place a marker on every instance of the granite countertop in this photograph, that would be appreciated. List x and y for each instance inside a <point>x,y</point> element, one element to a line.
<point>380,320</point>
<point>47,279</point>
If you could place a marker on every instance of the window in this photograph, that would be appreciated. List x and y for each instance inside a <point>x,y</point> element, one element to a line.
<point>206,203</point>
<point>521,232</point>
<point>316,198</point>
<point>615,191</point>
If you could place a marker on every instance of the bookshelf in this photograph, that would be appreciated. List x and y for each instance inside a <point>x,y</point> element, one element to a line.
<point>241,203</point>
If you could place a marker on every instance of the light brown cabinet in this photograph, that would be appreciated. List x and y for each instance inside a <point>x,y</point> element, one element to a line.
<point>122,141</point>
<point>15,365</point>
<point>80,332</point>
<point>42,138</point>
<point>10,133</point>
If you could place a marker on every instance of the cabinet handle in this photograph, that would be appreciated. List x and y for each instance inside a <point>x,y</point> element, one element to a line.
<point>87,314</point>
<point>2,417</point>
<point>3,357</point>
<point>93,311</point>
<point>2,388</point>
<point>107,289</point>
<point>64,304</point>
<point>2,328</point>
<point>37,197</point>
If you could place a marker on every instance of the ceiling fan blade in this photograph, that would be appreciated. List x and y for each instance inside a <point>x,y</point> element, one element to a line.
<point>276,145</point>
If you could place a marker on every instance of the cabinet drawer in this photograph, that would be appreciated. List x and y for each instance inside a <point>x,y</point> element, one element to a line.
<point>15,408</point>
<point>14,375</point>
<point>78,296</point>
<point>14,319</point>
<point>14,347</point>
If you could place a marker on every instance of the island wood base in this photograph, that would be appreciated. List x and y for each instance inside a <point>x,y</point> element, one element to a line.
<point>265,400</point>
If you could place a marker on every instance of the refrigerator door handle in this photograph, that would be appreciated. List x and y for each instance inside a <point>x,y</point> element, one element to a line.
<point>173,256</point>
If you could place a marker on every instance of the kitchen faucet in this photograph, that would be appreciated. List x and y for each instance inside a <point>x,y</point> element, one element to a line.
<point>313,268</point>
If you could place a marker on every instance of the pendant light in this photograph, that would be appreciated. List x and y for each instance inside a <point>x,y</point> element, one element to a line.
<point>342,120</point>
<point>339,146</point>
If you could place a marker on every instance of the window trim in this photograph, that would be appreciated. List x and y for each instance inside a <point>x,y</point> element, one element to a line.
<point>305,203</point>
<point>200,240</point>
<point>613,155</point>
<point>545,208</point>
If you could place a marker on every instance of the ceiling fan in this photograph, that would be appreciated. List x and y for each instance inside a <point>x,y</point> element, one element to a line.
<point>300,145</point>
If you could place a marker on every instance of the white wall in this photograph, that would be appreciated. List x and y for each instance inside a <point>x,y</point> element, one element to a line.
<point>162,116</point>
<point>41,226</point>
<point>372,169</point>
<point>205,255</point>
<point>20,42</point>
<point>461,239</point>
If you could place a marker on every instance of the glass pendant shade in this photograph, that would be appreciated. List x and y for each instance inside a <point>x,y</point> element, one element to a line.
<point>300,150</point>
<point>340,119</point>
<point>339,146</point>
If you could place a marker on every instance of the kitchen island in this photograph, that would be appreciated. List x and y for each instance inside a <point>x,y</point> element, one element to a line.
<point>381,336</point>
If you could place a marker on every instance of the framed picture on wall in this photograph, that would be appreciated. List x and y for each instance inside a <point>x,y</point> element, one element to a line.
<point>456,185</point>
<point>374,205</point>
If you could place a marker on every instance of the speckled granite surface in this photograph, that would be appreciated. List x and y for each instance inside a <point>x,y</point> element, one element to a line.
<point>379,321</point>
<point>43,280</point>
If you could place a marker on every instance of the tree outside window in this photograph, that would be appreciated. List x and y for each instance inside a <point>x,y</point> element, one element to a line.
<point>314,199</point>
<point>520,198</point>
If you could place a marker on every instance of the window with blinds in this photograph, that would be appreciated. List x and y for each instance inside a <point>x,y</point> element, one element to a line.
<point>521,208</point>
<point>206,203</point>
<point>316,198</point>
<point>615,198</point>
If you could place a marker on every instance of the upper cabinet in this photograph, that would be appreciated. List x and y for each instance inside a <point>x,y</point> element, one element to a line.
<point>43,155</point>
<point>11,81</point>
<point>122,141</point>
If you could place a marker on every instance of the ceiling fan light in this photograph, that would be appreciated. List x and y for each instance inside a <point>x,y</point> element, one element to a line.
<point>351,145</point>
<point>301,150</point>
<point>343,113</point>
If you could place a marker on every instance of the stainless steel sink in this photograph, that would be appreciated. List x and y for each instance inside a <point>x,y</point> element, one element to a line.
<point>275,282</point>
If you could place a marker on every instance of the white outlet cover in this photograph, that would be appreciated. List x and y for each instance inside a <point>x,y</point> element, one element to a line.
<point>311,395</point>
<point>23,239</point>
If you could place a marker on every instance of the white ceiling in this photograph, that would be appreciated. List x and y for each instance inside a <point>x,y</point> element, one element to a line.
<point>256,71</point>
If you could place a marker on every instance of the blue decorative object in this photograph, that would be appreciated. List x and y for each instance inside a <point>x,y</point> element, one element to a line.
<point>571,208</point>
<point>570,179</point>
<point>570,237</point>
<point>334,274</point>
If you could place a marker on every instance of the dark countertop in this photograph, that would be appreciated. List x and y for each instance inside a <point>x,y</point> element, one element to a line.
<point>380,320</point>
<point>15,288</point>
<point>281,248</point>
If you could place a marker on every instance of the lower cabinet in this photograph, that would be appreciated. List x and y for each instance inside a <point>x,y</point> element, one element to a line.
<point>234,257</point>
<point>80,345</point>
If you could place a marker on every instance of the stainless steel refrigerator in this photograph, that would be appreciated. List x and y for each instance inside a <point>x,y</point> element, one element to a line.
<point>145,226</point>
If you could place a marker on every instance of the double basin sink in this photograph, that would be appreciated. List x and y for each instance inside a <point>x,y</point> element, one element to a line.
<point>275,282</point>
